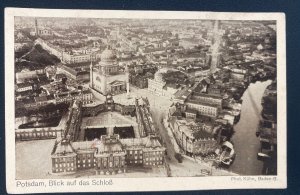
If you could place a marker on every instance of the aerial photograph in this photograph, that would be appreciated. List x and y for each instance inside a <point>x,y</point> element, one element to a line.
<point>117,97</point>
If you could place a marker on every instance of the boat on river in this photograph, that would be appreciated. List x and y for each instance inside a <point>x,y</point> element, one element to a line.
<point>226,154</point>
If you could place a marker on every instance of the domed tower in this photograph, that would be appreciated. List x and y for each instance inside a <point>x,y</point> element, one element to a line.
<point>108,63</point>
<point>106,77</point>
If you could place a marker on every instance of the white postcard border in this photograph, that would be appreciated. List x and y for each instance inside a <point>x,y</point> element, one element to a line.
<point>146,184</point>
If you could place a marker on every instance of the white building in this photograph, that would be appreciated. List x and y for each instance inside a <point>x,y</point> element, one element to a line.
<point>159,87</point>
<point>105,77</point>
<point>203,108</point>
<point>24,87</point>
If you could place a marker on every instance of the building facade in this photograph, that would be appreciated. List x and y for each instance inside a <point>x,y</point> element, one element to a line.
<point>24,87</point>
<point>194,138</point>
<point>203,108</point>
<point>105,77</point>
<point>78,75</point>
<point>158,86</point>
<point>107,156</point>
<point>86,96</point>
<point>36,134</point>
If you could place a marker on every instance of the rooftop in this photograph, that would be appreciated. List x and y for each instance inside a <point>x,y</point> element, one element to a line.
<point>194,130</point>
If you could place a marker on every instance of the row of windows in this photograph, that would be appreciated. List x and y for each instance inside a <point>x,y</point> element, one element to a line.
<point>64,165</point>
<point>153,163</point>
<point>86,165</point>
<point>207,99</point>
<point>84,161</point>
<point>136,161</point>
<point>58,160</point>
<point>116,163</point>
<point>63,161</point>
<point>39,134</point>
<point>136,157</point>
<point>153,159</point>
<point>24,88</point>
<point>61,170</point>
<point>135,151</point>
<point>202,108</point>
<point>111,159</point>
<point>209,111</point>
<point>190,114</point>
<point>83,156</point>
<point>152,153</point>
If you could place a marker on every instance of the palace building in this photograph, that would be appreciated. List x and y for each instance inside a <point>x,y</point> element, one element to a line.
<point>106,77</point>
<point>108,142</point>
<point>107,156</point>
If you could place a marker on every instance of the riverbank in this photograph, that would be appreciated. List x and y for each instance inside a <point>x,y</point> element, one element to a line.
<point>246,144</point>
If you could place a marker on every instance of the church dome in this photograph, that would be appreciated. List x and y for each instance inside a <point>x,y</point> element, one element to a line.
<point>158,76</point>
<point>108,56</point>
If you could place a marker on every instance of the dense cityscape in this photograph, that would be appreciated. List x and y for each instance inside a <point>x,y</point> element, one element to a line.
<point>144,98</point>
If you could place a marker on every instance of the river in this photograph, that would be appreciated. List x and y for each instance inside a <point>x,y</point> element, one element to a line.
<point>246,143</point>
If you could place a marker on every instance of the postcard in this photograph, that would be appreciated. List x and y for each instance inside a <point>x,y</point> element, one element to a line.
<point>107,100</point>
